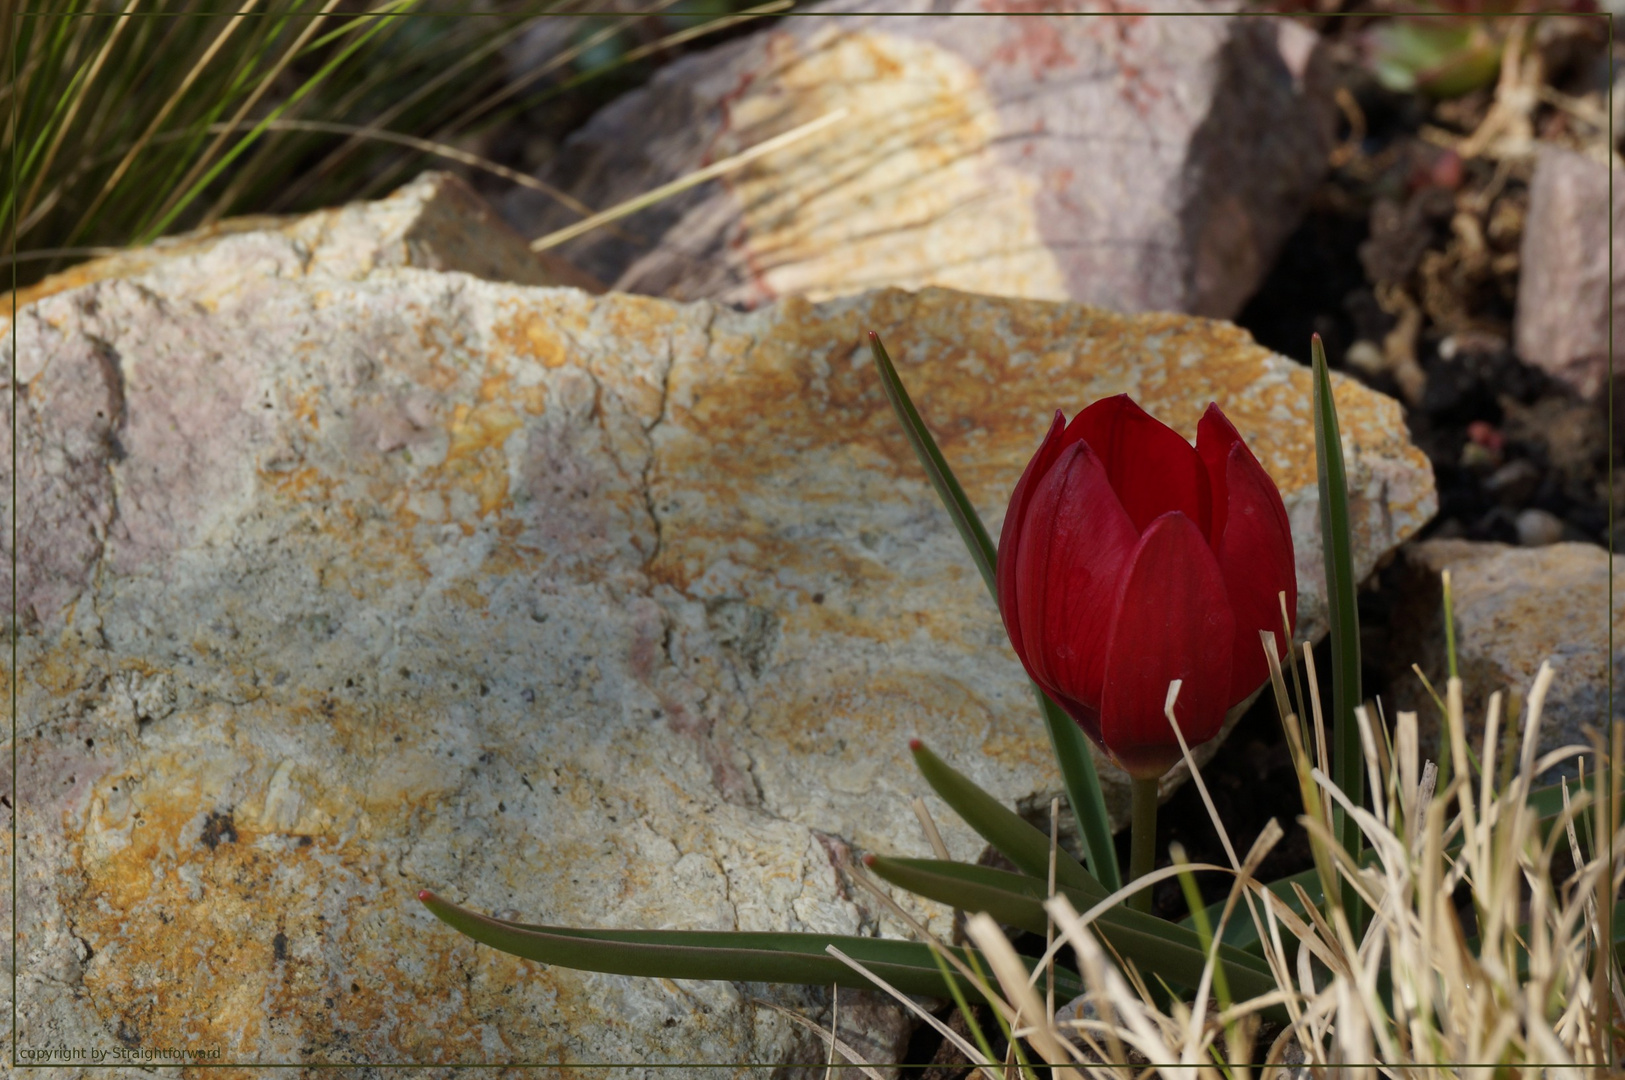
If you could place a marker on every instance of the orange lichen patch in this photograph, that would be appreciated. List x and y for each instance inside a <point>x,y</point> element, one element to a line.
<point>494,386</point>
<point>465,592</point>
<point>1024,746</point>
<point>303,407</point>
<point>297,483</point>
<point>532,398</point>
<point>57,671</point>
<point>475,428</point>
<point>640,324</point>
<point>530,333</point>
<point>385,547</point>
<point>507,555</point>
<point>987,376</point>
<point>475,460</point>
<point>130,875</point>
<point>224,949</point>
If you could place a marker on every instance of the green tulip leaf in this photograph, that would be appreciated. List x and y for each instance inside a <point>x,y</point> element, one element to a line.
<point>1348,757</point>
<point>730,956</point>
<point>1070,745</point>
<point>1155,945</point>
<point>1002,827</point>
<point>964,515</point>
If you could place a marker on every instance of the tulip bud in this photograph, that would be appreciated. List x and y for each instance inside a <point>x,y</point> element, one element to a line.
<point>1129,559</point>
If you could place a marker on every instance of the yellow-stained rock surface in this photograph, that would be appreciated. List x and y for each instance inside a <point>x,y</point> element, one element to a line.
<point>594,610</point>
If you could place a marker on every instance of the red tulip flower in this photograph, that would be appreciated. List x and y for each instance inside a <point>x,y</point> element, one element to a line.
<point>1129,559</point>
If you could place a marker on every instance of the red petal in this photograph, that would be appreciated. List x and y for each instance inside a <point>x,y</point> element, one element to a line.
<point>1004,564</point>
<point>1256,557</point>
<point>1074,547</point>
<point>1170,613</point>
<point>1215,435</point>
<point>1151,466</point>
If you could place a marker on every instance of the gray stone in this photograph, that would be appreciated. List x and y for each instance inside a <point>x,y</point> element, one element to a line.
<point>602,611</point>
<point>1132,162</point>
<point>1564,295</point>
<point>1537,527</point>
<point>1515,607</point>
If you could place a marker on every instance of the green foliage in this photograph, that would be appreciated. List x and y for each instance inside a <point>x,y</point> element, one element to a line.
<point>133,122</point>
<point>1070,745</point>
<point>1442,58</point>
<point>731,955</point>
<point>1348,762</point>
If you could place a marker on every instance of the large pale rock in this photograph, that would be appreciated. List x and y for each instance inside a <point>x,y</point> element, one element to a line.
<point>436,222</point>
<point>594,610</point>
<point>1077,152</point>
<point>1565,295</point>
<point>1515,608</point>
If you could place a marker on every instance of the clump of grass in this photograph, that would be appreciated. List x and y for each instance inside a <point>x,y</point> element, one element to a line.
<point>124,121</point>
<point>1475,952</point>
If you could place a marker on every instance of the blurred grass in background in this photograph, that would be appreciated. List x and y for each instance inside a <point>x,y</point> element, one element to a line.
<point>126,120</point>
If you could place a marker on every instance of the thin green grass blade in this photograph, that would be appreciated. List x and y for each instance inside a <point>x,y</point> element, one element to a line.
<point>1070,744</point>
<point>248,140</point>
<point>1002,827</point>
<point>1348,762</point>
<point>720,955</point>
<point>1204,929</point>
<point>1017,900</point>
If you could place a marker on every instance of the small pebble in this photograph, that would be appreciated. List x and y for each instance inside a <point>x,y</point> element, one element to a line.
<point>1537,528</point>
<point>1366,357</point>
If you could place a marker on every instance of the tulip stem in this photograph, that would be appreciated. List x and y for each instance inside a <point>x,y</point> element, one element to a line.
<point>1142,837</point>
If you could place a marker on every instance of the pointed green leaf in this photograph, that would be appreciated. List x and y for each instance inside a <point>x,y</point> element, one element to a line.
<point>1002,827</point>
<point>722,955</point>
<point>1070,746</point>
<point>1348,759</point>
<point>964,515</point>
<point>1154,944</point>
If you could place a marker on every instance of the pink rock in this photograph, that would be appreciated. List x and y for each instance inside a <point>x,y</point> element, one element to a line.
<point>1082,151</point>
<point>1563,293</point>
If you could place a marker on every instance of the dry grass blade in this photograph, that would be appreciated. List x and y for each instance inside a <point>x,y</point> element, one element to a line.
<point>973,1055</point>
<point>831,1039</point>
<point>448,73</point>
<point>699,176</point>
<point>1013,979</point>
<point>232,24</point>
<point>168,206</point>
<point>83,81</point>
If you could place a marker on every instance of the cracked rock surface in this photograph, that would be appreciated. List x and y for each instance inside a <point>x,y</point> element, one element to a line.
<point>594,610</point>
